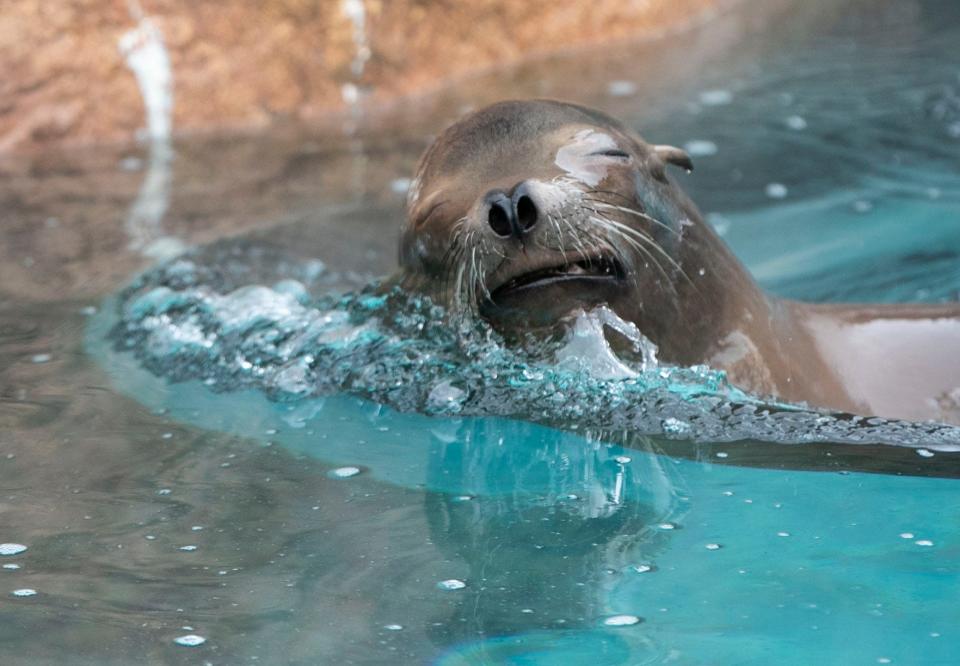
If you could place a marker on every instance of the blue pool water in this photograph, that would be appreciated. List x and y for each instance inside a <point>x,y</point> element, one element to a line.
<point>285,525</point>
<point>624,544</point>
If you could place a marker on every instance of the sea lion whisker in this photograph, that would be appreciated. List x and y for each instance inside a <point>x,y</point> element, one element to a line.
<point>642,244</point>
<point>633,211</point>
<point>575,235</point>
<point>556,227</point>
<point>644,238</point>
<point>640,248</point>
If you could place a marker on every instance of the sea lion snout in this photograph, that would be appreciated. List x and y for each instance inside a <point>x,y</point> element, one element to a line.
<point>514,214</point>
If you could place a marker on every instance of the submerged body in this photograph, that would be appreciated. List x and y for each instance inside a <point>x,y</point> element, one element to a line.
<point>525,212</point>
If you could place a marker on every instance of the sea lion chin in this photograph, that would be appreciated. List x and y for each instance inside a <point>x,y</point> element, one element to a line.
<point>525,211</point>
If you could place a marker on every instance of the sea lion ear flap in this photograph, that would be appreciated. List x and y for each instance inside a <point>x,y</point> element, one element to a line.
<point>675,156</point>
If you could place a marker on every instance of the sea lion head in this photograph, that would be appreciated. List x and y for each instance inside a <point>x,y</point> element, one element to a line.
<point>527,210</point>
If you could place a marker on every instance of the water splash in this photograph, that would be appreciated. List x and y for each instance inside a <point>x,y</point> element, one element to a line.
<point>197,318</point>
<point>146,55</point>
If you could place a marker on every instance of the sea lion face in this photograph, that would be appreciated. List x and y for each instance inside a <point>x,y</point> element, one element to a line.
<point>525,211</point>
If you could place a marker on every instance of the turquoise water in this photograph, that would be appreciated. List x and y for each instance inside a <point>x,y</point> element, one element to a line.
<point>553,535</point>
<point>284,525</point>
<point>583,533</point>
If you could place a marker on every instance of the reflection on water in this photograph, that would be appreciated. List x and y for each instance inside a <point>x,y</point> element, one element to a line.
<point>848,106</point>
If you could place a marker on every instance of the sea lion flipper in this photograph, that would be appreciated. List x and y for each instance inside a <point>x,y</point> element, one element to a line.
<point>674,155</point>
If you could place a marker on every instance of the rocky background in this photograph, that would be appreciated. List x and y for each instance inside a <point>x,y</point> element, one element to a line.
<point>65,77</point>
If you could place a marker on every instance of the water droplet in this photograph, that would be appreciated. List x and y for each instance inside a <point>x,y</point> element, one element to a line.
<point>776,190</point>
<point>11,548</point>
<point>796,123</point>
<point>190,640</point>
<point>41,358</point>
<point>188,549</point>
<point>925,453</point>
<point>196,528</point>
<point>906,535</point>
<point>400,185</point>
<point>716,97</point>
<point>393,627</point>
<point>11,567</point>
<point>700,148</point>
<point>783,534</point>
<point>720,224</point>
<point>451,584</point>
<point>667,526</point>
<point>621,88</point>
<point>713,546</point>
<point>344,472</point>
<point>727,493</point>
<point>622,620</point>
<point>722,454</point>
<point>24,592</point>
<point>643,568</point>
<point>923,542</point>
<point>622,460</point>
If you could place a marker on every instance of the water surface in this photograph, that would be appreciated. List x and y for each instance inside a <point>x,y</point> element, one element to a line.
<point>828,156</point>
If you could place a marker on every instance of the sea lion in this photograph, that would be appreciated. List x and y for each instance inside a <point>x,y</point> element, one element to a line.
<point>524,211</point>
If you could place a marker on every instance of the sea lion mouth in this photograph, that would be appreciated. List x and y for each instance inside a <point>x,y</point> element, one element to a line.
<point>583,269</point>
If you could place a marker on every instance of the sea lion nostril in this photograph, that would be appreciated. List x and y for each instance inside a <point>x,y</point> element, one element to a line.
<point>499,217</point>
<point>526,213</point>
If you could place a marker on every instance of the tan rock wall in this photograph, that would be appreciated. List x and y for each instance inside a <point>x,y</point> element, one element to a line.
<point>248,63</point>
